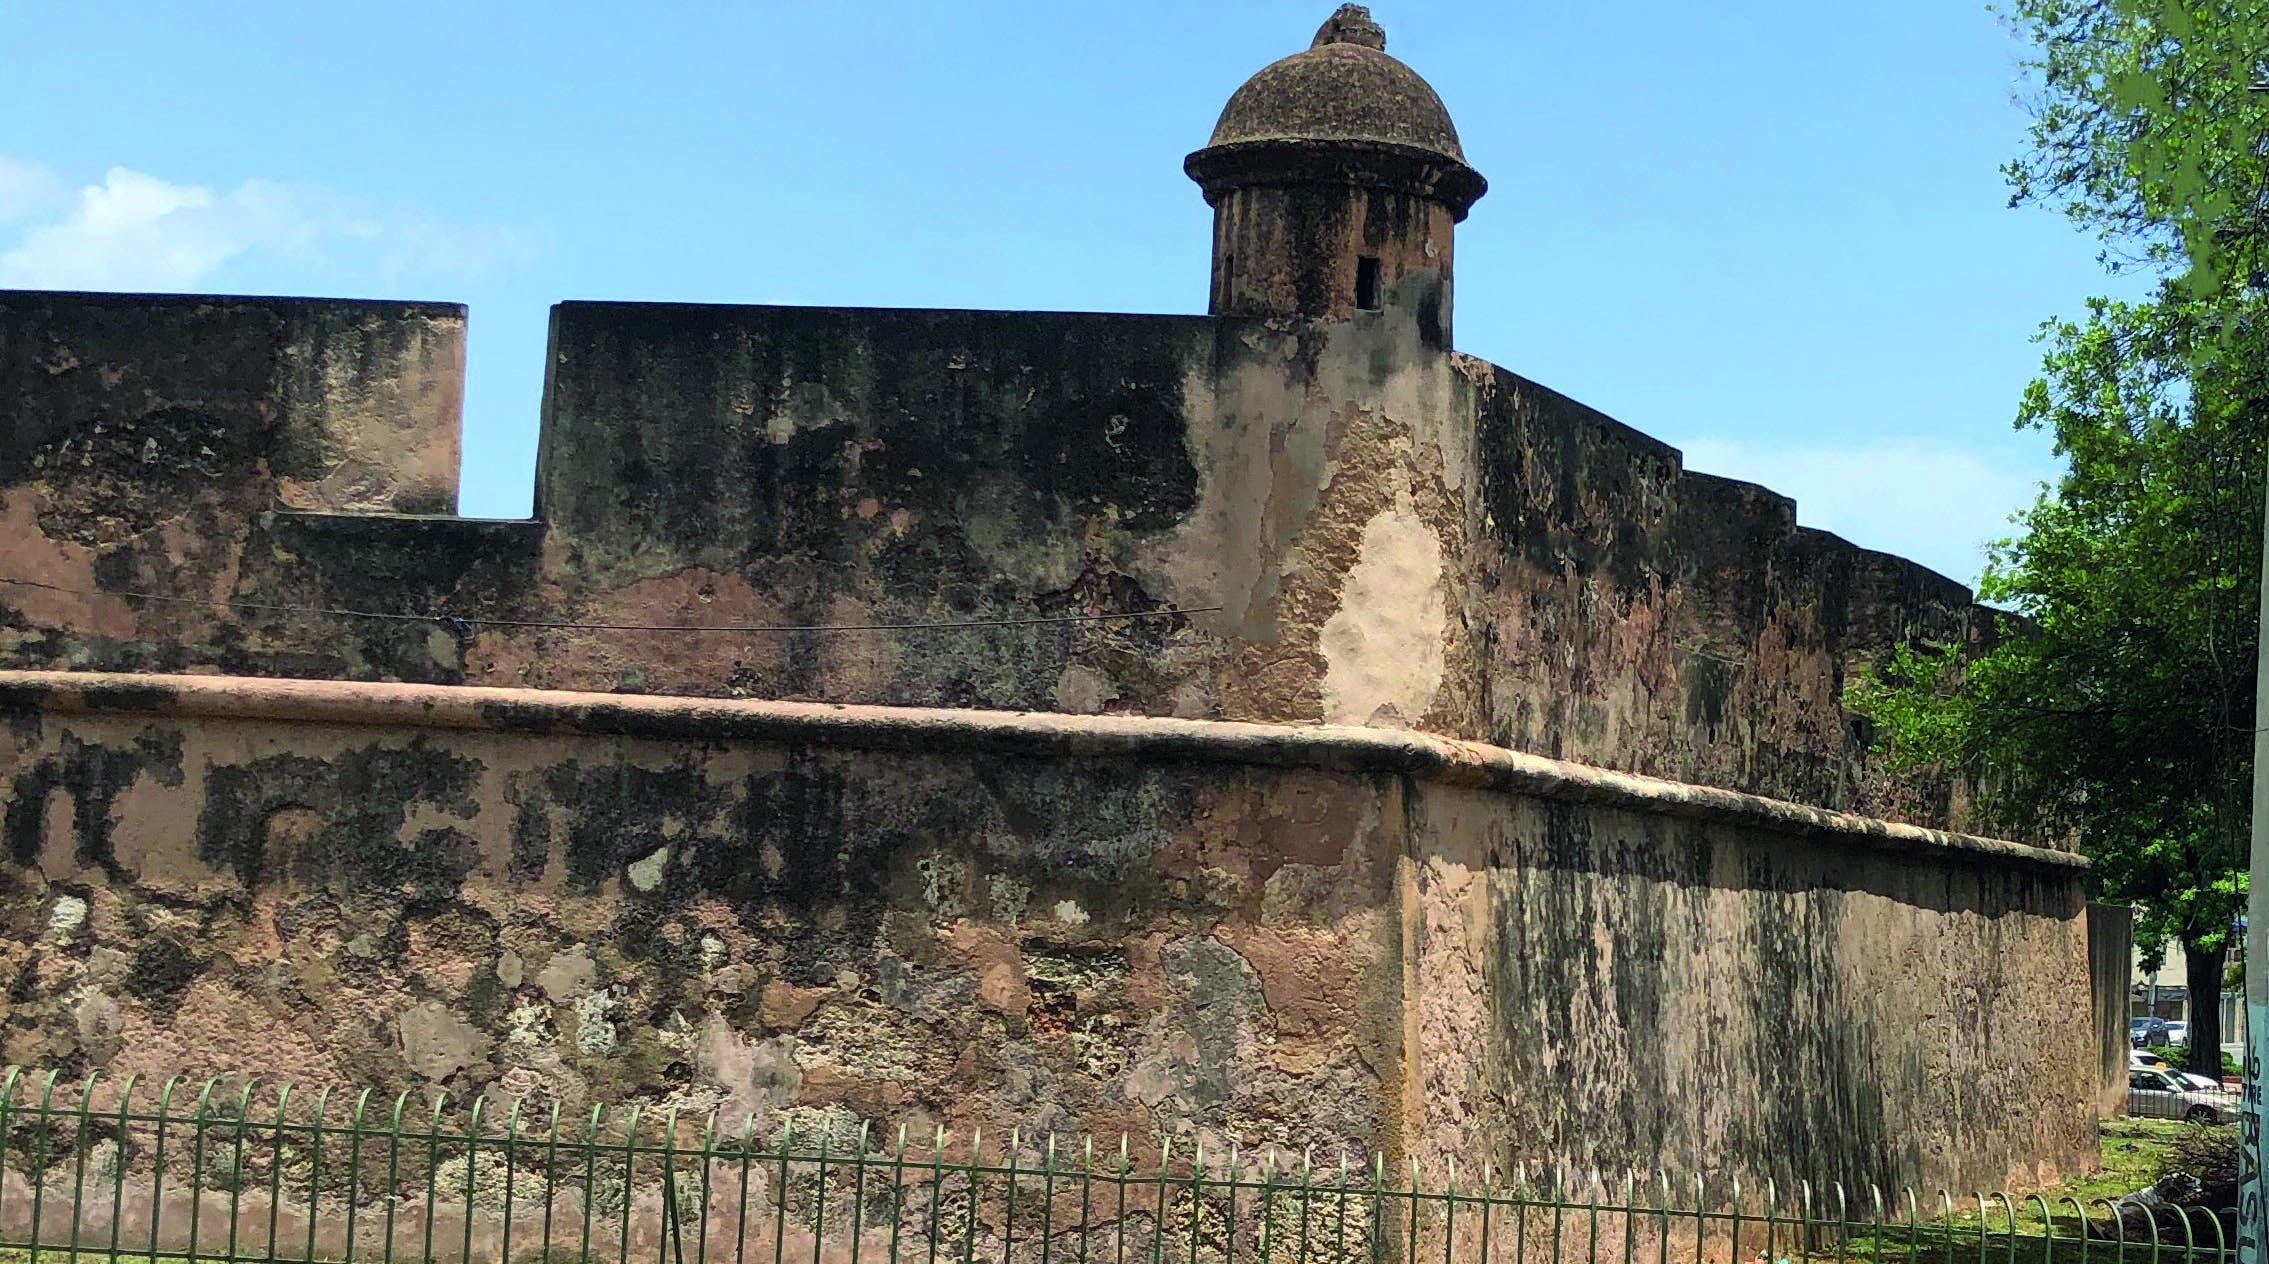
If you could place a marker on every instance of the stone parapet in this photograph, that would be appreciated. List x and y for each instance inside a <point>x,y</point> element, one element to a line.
<point>1332,748</point>
<point>1202,932</point>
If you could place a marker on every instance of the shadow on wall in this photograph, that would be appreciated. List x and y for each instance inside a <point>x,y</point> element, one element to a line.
<point>1678,994</point>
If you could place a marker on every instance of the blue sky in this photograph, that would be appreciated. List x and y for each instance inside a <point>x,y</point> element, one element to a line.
<point>1774,234</point>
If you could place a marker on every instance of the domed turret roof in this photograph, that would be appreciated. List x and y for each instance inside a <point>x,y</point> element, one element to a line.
<point>1344,87</point>
<point>1342,112</point>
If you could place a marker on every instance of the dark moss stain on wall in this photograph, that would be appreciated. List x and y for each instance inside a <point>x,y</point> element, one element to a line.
<point>617,813</point>
<point>1806,1103</point>
<point>1638,993</point>
<point>531,846</point>
<point>1119,453</point>
<point>1092,833</point>
<point>1756,930</point>
<point>92,778</point>
<point>1710,683</point>
<point>106,481</point>
<point>724,434</point>
<point>1315,222</point>
<point>1550,465</point>
<point>414,564</point>
<point>818,852</point>
<point>337,824</point>
<point>163,970</point>
<point>773,845</point>
<point>1748,623</point>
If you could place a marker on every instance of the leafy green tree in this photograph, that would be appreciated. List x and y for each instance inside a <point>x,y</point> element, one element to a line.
<point>2117,705</point>
<point>2147,133</point>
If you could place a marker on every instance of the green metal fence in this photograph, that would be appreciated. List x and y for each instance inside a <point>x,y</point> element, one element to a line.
<point>234,1171</point>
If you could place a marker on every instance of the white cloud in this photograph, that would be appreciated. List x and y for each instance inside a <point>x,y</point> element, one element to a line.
<point>137,231</point>
<point>1932,502</point>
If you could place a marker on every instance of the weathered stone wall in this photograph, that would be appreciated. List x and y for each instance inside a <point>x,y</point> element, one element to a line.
<point>1680,624</point>
<point>1305,493</point>
<point>1362,529</point>
<point>135,401</point>
<point>1293,248</point>
<point>1268,934</point>
<point>706,464</point>
<point>2111,991</point>
<point>1273,871</point>
<point>159,445</point>
<point>1629,991</point>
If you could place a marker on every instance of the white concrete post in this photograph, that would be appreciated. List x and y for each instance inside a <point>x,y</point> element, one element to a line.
<point>2253,1209</point>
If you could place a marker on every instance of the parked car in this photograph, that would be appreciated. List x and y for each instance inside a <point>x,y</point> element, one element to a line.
<point>2147,1032</point>
<point>2157,1094</point>
<point>2145,1060</point>
<point>2178,1033</point>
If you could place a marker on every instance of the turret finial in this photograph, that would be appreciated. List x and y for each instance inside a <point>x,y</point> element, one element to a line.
<point>1351,24</point>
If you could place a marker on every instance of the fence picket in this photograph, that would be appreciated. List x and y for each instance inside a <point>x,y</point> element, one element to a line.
<point>958,1203</point>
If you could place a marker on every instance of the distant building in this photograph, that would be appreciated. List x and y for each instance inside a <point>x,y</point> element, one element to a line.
<point>2165,993</point>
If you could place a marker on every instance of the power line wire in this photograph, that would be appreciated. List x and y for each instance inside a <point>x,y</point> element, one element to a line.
<point>542,624</point>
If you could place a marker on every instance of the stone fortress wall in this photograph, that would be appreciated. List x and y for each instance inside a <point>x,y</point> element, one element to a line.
<point>1188,930</point>
<point>1376,534</point>
<point>1348,837</point>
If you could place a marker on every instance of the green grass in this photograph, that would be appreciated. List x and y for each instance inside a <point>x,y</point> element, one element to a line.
<point>2132,1152</point>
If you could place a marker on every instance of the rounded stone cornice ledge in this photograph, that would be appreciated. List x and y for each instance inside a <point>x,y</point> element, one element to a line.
<point>1218,169</point>
<point>1340,748</point>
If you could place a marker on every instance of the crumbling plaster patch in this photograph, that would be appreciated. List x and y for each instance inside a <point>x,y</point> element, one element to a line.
<point>1302,439</point>
<point>437,1044</point>
<point>1383,647</point>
